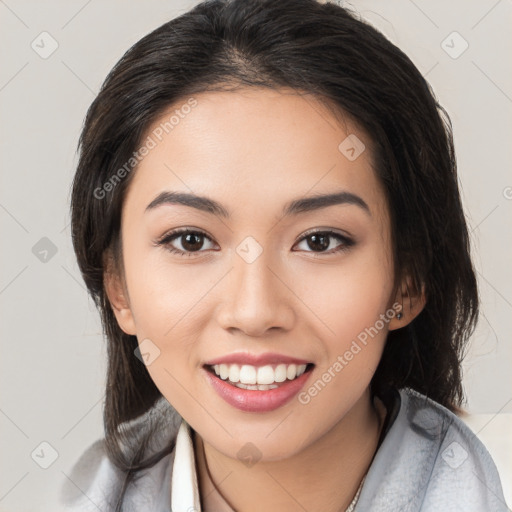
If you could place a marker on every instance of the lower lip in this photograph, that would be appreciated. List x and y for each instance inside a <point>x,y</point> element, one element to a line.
<point>255,400</point>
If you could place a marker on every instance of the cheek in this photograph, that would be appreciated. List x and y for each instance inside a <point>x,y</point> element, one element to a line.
<point>351,304</point>
<point>164,296</point>
<point>168,311</point>
<point>348,297</point>
<point>170,301</point>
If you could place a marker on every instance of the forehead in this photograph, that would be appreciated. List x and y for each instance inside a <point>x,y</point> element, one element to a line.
<point>256,147</point>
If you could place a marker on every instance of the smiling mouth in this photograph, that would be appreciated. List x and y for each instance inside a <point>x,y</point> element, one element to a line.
<point>258,378</point>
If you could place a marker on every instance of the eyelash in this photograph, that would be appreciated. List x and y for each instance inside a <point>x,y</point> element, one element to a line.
<point>166,240</point>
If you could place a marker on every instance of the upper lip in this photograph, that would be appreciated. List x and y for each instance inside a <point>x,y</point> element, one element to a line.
<point>255,359</point>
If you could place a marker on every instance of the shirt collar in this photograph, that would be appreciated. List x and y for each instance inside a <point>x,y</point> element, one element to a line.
<point>184,483</point>
<point>184,486</point>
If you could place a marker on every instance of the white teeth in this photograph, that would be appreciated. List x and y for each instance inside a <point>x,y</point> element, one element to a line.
<point>234,373</point>
<point>263,377</point>
<point>248,375</point>
<point>291,371</point>
<point>280,373</point>
<point>223,371</point>
<point>264,387</point>
<point>254,387</point>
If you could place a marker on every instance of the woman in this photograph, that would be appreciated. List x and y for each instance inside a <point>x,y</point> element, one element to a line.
<point>266,213</point>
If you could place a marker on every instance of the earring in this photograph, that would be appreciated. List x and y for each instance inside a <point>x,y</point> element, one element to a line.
<point>399,316</point>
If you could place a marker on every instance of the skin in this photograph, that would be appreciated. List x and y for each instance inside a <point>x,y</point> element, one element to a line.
<point>254,150</point>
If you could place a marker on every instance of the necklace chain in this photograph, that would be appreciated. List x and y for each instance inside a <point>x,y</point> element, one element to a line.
<point>353,503</point>
<point>350,508</point>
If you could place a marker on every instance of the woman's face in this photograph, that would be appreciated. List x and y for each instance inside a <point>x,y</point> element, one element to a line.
<point>253,279</point>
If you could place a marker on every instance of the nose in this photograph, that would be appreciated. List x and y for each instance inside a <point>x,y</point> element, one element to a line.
<point>256,298</point>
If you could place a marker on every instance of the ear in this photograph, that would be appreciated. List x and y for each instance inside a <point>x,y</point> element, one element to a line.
<point>117,294</point>
<point>409,301</point>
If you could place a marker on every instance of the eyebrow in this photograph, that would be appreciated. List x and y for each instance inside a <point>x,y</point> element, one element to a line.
<point>294,207</point>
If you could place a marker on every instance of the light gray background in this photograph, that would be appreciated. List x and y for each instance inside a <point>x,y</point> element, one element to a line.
<point>53,355</point>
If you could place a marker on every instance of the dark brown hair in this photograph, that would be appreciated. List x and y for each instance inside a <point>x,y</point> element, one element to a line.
<point>320,49</point>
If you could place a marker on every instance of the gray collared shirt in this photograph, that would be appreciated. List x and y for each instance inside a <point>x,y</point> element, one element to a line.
<point>428,461</point>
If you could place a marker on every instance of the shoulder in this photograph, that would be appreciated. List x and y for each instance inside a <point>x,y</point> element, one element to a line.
<point>96,483</point>
<point>462,470</point>
<point>93,481</point>
<point>430,460</point>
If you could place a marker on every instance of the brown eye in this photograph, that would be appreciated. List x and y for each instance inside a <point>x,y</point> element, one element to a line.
<point>192,241</point>
<point>188,241</point>
<point>321,241</point>
<point>318,242</point>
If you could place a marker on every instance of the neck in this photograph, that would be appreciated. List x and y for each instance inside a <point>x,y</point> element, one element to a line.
<point>324,476</point>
